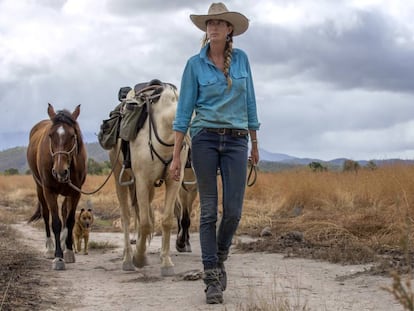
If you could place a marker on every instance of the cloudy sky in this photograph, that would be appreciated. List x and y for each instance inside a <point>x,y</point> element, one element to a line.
<point>333,78</point>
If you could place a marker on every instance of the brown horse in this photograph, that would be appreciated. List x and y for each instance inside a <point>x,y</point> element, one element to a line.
<point>57,158</point>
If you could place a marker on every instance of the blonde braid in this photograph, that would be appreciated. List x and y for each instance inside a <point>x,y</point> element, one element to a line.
<point>204,41</point>
<point>227,57</point>
<point>227,60</point>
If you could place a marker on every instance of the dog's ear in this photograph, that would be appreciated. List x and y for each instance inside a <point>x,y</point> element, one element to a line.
<point>89,210</point>
<point>82,210</point>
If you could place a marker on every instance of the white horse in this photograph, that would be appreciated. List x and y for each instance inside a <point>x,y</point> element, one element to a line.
<point>151,154</point>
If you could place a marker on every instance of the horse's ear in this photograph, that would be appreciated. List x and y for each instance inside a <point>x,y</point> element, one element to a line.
<point>76,112</point>
<point>51,111</point>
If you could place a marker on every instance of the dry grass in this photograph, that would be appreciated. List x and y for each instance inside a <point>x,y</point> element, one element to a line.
<point>343,217</point>
<point>372,208</point>
<point>375,208</point>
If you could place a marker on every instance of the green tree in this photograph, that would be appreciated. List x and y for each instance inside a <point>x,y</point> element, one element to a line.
<point>11,171</point>
<point>371,165</point>
<point>94,167</point>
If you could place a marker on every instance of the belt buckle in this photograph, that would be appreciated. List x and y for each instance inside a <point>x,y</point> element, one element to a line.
<point>221,131</point>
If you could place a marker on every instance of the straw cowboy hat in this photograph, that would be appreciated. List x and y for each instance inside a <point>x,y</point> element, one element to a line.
<point>239,22</point>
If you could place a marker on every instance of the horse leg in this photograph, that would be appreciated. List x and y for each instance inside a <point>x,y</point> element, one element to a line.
<point>135,210</point>
<point>184,203</point>
<point>51,198</point>
<point>70,204</point>
<point>188,208</point>
<point>64,232</point>
<point>122,195</point>
<point>185,225</point>
<point>122,191</point>
<point>178,211</point>
<point>171,192</point>
<point>44,211</point>
<point>145,193</point>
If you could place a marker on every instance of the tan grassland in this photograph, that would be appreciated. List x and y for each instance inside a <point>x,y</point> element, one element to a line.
<point>372,210</point>
<point>348,218</point>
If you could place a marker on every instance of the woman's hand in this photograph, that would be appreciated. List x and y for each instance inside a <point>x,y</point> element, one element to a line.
<point>175,166</point>
<point>175,169</point>
<point>254,154</point>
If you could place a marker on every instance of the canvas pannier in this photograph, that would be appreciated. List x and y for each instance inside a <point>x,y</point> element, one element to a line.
<point>109,130</point>
<point>133,115</point>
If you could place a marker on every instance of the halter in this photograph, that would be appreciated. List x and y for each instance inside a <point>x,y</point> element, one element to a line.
<point>66,153</point>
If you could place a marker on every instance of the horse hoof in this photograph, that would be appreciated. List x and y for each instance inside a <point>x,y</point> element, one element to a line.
<point>188,247</point>
<point>167,271</point>
<point>180,249</point>
<point>140,262</point>
<point>69,256</point>
<point>58,264</point>
<point>49,254</point>
<point>128,266</point>
<point>184,248</point>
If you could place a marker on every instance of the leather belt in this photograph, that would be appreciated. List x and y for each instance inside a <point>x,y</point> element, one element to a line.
<point>225,131</point>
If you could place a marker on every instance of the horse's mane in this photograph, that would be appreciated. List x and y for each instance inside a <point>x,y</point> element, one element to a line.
<point>64,116</point>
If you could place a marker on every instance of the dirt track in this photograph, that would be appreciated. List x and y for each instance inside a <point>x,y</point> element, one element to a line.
<point>96,281</point>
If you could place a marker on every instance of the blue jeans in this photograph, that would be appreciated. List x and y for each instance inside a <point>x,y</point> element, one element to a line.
<point>211,151</point>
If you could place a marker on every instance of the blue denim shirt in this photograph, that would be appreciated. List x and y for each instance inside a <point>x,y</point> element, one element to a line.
<point>204,92</point>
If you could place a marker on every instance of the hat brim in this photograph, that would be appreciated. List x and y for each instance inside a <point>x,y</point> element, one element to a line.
<point>239,22</point>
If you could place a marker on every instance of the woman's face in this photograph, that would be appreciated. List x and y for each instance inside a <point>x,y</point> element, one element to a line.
<point>217,30</point>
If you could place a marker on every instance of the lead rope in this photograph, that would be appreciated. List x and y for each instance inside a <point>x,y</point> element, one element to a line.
<point>101,186</point>
<point>252,172</point>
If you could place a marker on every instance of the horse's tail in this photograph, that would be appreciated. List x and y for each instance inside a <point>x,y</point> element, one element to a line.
<point>37,214</point>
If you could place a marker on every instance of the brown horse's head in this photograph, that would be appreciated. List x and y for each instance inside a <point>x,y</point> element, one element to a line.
<point>64,141</point>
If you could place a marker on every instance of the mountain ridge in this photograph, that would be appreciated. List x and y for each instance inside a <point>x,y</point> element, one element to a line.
<point>15,158</point>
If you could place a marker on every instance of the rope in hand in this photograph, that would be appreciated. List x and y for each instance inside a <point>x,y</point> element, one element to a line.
<point>252,173</point>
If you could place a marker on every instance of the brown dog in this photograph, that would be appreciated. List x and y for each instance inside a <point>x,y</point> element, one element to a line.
<point>83,223</point>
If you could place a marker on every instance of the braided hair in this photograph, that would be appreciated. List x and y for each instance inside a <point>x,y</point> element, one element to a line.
<point>227,59</point>
<point>227,56</point>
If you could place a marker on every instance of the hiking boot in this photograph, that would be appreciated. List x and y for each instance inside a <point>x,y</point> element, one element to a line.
<point>214,292</point>
<point>222,276</point>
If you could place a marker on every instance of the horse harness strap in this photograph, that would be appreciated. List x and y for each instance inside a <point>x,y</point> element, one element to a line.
<point>149,100</point>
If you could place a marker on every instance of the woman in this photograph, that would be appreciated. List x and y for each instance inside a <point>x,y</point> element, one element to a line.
<point>217,88</point>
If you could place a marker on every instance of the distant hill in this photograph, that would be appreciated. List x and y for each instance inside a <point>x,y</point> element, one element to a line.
<point>16,158</point>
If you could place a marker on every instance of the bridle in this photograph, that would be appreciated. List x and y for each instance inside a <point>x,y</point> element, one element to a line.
<point>149,100</point>
<point>69,153</point>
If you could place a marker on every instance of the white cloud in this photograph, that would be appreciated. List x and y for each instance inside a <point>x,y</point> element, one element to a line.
<point>333,79</point>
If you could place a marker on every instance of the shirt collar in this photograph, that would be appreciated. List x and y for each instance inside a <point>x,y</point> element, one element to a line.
<point>203,52</point>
